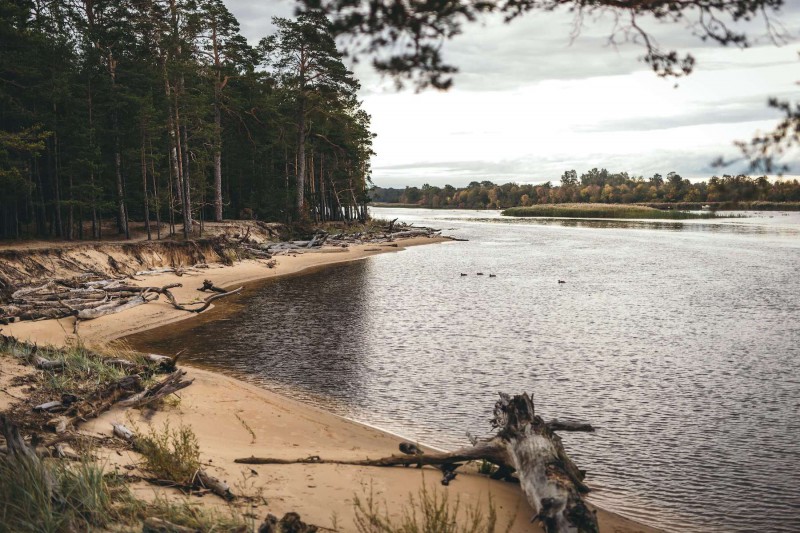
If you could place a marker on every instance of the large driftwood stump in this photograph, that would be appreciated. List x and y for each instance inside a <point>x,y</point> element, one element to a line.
<point>524,445</point>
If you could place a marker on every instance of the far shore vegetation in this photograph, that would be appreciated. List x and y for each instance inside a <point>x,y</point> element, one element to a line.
<point>672,192</point>
<point>602,211</point>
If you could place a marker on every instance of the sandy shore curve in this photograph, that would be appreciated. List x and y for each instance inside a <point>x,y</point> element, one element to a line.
<point>233,419</point>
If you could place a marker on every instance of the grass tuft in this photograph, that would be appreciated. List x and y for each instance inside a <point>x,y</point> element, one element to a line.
<point>48,496</point>
<point>170,454</point>
<point>429,512</point>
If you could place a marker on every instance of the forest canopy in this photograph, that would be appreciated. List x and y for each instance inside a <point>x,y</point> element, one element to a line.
<point>599,186</point>
<point>161,111</point>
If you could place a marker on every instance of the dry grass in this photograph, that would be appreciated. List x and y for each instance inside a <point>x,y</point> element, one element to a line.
<point>428,512</point>
<point>170,454</point>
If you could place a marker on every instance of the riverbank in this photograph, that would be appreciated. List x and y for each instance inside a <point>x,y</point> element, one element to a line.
<point>159,313</point>
<point>233,419</point>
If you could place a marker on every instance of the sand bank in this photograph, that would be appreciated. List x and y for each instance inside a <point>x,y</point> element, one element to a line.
<point>234,419</point>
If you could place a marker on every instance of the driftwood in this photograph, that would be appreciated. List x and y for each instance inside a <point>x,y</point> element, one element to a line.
<point>203,480</point>
<point>164,362</point>
<point>98,403</point>
<point>525,445</point>
<point>116,307</point>
<point>169,385</point>
<point>206,303</point>
<point>46,364</point>
<point>208,285</point>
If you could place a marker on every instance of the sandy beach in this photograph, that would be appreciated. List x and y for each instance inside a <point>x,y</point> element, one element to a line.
<point>233,419</point>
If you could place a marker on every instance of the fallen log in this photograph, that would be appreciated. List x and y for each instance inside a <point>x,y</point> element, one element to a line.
<point>49,406</point>
<point>171,384</point>
<point>220,488</point>
<point>206,303</point>
<point>525,445</point>
<point>116,307</point>
<point>208,285</point>
<point>46,364</point>
<point>98,403</point>
<point>164,362</point>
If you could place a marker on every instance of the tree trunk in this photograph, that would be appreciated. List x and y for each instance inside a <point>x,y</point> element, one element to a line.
<point>155,192</point>
<point>301,158</point>
<point>525,445</point>
<point>122,216</point>
<point>187,199</point>
<point>144,188</point>
<point>218,85</point>
<point>217,164</point>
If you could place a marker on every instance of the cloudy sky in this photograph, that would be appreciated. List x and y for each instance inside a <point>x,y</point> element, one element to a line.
<point>530,102</point>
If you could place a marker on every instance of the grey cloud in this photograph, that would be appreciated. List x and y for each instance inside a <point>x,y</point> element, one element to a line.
<point>693,165</point>
<point>729,112</point>
<point>255,17</point>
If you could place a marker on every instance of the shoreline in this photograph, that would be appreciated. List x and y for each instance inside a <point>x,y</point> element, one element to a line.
<point>234,418</point>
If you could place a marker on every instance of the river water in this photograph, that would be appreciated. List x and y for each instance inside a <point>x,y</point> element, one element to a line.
<point>679,341</point>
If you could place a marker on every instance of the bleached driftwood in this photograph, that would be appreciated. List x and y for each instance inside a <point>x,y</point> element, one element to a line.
<point>169,385</point>
<point>524,445</point>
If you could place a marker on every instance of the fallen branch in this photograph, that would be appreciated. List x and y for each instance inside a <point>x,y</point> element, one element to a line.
<point>171,384</point>
<point>98,403</point>
<point>208,285</point>
<point>524,444</point>
<point>206,303</point>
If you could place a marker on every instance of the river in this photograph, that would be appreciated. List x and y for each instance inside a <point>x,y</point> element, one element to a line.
<point>679,341</point>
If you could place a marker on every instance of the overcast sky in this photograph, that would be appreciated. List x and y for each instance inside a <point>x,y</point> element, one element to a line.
<point>529,103</point>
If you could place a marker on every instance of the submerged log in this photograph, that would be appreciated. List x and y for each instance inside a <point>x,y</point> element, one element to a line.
<point>524,444</point>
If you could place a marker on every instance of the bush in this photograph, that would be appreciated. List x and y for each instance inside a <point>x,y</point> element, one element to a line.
<point>170,454</point>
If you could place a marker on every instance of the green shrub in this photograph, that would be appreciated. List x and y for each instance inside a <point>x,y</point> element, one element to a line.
<point>170,454</point>
<point>49,496</point>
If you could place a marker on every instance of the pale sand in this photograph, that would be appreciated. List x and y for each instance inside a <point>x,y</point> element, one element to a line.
<point>223,411</point>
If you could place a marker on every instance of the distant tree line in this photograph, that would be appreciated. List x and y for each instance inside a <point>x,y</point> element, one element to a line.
<point>598,186</point>
<point>160,111</point>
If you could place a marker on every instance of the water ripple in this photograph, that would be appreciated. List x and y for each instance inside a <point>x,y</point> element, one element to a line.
<point>683,347</point>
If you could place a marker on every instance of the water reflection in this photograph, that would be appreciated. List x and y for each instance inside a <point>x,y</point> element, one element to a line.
<point>697,225</point>
<point>683,347</point>
<point>314,340</point>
